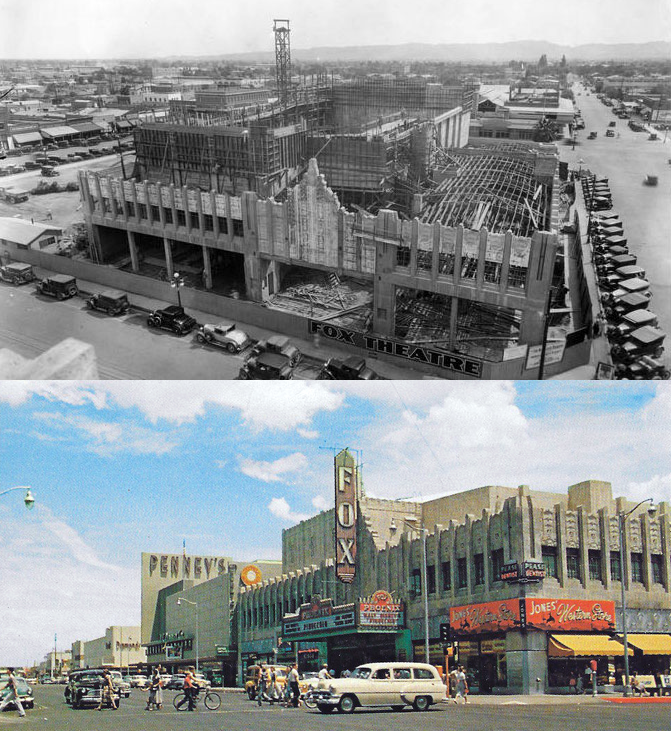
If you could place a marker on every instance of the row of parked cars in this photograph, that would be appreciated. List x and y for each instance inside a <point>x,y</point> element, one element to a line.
<point>632,330</point>
<point>274,358</point>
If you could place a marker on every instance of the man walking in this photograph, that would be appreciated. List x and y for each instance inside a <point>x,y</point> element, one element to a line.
<point>12,694</point>
<point>261,688</point>
<point>293,685</point>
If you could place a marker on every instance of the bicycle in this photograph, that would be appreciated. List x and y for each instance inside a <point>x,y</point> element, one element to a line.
<point>211,700</point>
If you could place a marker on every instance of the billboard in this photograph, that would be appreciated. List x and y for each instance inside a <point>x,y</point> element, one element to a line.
<point>570,615</point>
<point>346,479</point>
<point>380,613</point>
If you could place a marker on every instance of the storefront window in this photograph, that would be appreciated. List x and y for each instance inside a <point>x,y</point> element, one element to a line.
<point>656,563</point>
<point>415,583</point>
<point>447,575</point>
<point>479,563</point>
<point>462,575</point>
<point>637,567</point>
<point>594,559</point>
<point>550,561</point>
<point>615,566</point>
<point>573,563</point>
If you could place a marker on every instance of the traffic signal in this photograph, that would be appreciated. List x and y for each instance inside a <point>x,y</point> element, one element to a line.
<point>444,633</point>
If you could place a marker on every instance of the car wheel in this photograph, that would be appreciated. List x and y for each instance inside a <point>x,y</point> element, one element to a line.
<point>110,312</point>
<point>347,704</point>
<point>421,703</point>
<point>244,376</point>
<point>323,708</point>
<point>201,338</point>
<point>231,348</point>
<point>152,322</point>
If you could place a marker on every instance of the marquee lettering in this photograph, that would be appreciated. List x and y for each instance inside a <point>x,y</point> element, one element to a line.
<point>346,515</point>
<point>346,546</point>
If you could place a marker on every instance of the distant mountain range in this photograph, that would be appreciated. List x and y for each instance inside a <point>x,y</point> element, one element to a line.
<point>467,52</point>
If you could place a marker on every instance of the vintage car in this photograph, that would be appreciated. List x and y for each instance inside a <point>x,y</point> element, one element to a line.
<point>395,684</point>
<point>24,691</point>
<point>645,368</point>
<point>172,318</point>
<point>138,681</point>
<point>17,273</point>
<point>252,678</point>
<point>266,367</point>
<point>85,688</point>
<point>644,341</point>
<point>282,346</point>
<point>110,301</point>
<point>60,286</point>
<point>120,683</point>
<point>631,321</point>
<point>353,368</point>
<point>626,303</point>
<point>224,335</point>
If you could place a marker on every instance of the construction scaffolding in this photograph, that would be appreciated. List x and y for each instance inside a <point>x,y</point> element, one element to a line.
<point>491,189</point>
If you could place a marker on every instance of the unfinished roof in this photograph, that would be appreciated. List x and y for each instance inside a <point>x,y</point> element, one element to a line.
<point>491,189</point>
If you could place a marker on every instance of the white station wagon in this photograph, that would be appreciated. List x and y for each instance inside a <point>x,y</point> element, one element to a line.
<point>395,684</point>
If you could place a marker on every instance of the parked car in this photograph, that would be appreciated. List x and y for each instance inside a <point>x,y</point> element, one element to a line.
<point>201,681</point>
<point>225,335</point>
<point>392,684</point>
<point>138,681</point>
<point>172,318</point>
<point>644,341</point>
<point>17,273</point>
<point>353,368</point>
<point>48,171</point>
<point>644,369</point>
<point>266,367</point>
<point>60,286</point>
<point>120,683</point>
<point>176,681</point>
<point>280,345</point>
<point>631,321</point>
<point>32,165</point>
<point>23,689</point>
<point>612,123</point>
<point>110,301</point>
<point>610,133</point>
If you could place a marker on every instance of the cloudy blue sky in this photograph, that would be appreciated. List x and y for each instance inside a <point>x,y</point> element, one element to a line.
<point>155,28</point>
<point>118,468</point>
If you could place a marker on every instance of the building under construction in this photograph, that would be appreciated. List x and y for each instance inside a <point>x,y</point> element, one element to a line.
<point>357,210</point>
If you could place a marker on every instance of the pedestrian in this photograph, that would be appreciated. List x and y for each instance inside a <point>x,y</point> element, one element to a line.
<point>462,686</point>
<point>572,684</point>
<point>293,686</point>
<point>579,688</point>
<point>452,685</point>
<point>12,694</point>
<point>159,691</point>
<point>261,685</point>
<point>106,690</point>
<point>273,687</point>
<point>153,688</point>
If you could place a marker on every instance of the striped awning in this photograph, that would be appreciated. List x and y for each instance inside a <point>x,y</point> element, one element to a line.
<point>585,646</point>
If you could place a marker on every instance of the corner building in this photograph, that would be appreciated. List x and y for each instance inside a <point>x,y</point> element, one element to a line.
<point>479,543</point>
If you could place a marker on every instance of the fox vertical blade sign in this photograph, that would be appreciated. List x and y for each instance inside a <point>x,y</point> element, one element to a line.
<point>345,516</point>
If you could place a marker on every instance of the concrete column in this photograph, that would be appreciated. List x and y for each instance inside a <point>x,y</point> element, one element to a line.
<point>150,216</point>
<point>173,205</point>
<point>207,267</point>
<point>138,218</point>
<point>99,192</point>
<point>161,209</point>
<point>454,312</point>
<point>436,251</point>
<point>505,263</point>
<point>486,550</point>
<point>527,660</point>
<point>215,219</point>
<point>584,546</point>
<point>458,248</point>
<point>560,520</point>
<point>187,209</point>
<point>645,549</point>
<point>124,207</point>
<point>413,248</point>
<point>199,207</point>
<point>168,257</point>
<point>134,261</point>
<point>604,526</point>
<point>482,253</point>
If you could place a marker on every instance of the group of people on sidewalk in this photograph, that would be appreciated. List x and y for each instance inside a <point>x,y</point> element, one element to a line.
<point>268,689</point>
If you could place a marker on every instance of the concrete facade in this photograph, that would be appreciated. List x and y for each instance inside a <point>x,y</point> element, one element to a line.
<point>119,647</point>
<point>470,536</point>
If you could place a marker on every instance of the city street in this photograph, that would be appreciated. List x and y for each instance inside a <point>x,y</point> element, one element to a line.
<point>237,713</point>
<point>644,210</point>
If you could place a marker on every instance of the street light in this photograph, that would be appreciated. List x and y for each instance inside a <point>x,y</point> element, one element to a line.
<point>622,518</point>
<point>177,282</point>
<point>28,500</point>
<point>195,604</point>
<point>425,588</point>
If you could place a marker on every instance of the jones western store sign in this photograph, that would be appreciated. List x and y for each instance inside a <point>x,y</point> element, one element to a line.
<point>378,613</point>
<point>556,615</point>
<point>416,353</point>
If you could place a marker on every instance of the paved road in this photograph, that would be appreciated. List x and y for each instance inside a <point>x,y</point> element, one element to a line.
<point>645,211</point>
<point>239,714</point>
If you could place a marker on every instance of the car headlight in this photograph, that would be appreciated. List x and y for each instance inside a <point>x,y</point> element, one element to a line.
<point>331,690</point>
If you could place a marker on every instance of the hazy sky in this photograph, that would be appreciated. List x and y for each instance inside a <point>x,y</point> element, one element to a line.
<point>155,28</point>
<point>118,468</point>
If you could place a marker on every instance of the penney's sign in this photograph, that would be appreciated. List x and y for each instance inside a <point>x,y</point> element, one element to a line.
<point>186,567</point>
<point>408,351</point>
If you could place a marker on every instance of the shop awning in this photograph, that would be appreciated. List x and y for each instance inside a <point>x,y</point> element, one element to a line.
<point>650,644</point>
<point>25,138</point>
<point>584,646</point>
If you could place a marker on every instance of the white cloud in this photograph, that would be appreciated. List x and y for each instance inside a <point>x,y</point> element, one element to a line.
<point>108,438</point>
<point>274,471</point>
<point>75,393</point>
<point>321,503</point>
<point>307,433</point>
<point>281,509</point>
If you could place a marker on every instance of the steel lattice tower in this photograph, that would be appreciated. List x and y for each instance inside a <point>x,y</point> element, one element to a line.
<point>282,58</point>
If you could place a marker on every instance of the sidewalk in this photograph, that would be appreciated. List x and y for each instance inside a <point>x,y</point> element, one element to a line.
<point>529,700</point>
<point>317,348</point>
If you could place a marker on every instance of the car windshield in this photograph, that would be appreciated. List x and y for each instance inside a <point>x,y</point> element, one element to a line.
<point>361,672</point>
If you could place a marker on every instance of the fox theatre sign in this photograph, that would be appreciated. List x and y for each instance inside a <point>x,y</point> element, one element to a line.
<point>553,615</point>
<point>408,351</point>
<point>346,494</point>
